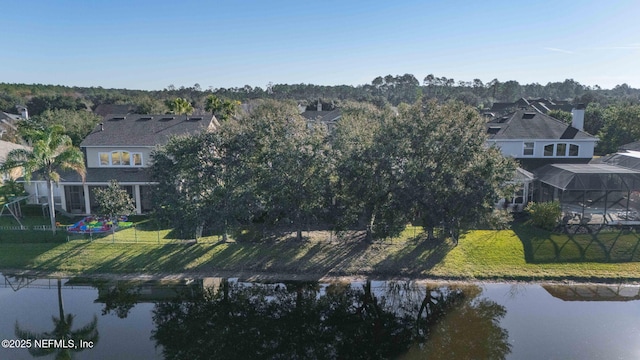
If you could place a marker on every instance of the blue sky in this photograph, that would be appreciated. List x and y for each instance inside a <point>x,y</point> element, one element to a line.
<point>152,44</point>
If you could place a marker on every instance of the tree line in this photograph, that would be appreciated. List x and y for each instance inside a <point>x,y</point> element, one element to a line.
<point>612,114</point>
<point>383,90</point>
<point>269,169</point>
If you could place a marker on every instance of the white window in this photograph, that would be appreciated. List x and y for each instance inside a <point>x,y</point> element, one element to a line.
<point>104,159</point>
<point>120,158</point>
<point>548,150</point>
<point>561,150</point>
<point>574,150</point>
<point>528,149</point>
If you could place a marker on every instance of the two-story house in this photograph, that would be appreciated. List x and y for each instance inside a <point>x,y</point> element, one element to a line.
<point>536,139</point>
<point>120,148</point>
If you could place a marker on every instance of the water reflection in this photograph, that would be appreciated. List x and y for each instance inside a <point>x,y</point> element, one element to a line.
<point>373,320</point>
<point>230,319</point>
<point>62,330</point>
<point>595,292</point>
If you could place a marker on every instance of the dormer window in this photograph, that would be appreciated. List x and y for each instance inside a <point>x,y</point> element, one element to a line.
<point>528,149</point>
<point>120,158</point>
<point>561,150</point>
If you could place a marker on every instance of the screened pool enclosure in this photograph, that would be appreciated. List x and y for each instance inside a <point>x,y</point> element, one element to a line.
<point>600,193</point>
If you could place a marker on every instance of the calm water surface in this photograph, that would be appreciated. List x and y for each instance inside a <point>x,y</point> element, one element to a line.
<point>227,318</point>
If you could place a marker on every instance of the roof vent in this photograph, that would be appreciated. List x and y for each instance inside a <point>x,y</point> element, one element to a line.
<point>168,118</point>
<point>145,118</point>
<point>528,115</point>
<point>503,119</point>
<point>493,129</point>
<point>117,118</point>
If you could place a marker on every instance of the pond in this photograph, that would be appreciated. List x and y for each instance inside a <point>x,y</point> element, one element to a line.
<point>215,318</point>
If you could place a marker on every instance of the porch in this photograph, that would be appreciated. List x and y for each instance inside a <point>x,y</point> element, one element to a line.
<point>79,199</point>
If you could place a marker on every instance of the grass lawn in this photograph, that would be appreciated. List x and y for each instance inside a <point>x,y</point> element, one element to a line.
<point>522,253</point>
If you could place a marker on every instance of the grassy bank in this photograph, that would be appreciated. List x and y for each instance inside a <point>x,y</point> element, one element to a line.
<point>523,253</point>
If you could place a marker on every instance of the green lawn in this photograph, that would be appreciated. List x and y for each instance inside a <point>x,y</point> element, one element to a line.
<point>523,253</point>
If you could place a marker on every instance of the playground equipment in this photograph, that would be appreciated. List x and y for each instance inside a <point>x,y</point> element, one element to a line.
<point>13,208</point>
<point>97,225</point>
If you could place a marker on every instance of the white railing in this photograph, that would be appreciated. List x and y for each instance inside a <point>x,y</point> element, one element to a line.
<point>32,228</point>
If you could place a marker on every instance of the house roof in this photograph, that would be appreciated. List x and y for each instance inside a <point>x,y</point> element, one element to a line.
<point>541,105</point>
<point>6,147</point>
<point>10,117</point>
<point>524,124</point>
<point>631,146</point>
<point>107,109</point>
<point>323,116</point>
<point>629,160</point>
<point>146,130</point>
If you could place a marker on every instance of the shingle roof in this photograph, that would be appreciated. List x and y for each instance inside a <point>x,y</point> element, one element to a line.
<point>6,147</point>
<point>107,109</point>
<point>532,125</point>
<point>145,130</point>
<point>541,105</point>
<point>635,146</point>
<point>324,116</point>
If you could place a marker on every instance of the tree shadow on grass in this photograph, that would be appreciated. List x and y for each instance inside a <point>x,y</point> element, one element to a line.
<point>24,256</point>
<point>57,262</point>
<point>166,258</point>
<point>417,256</point>
<point>541,246</point>
<point>287,256</point>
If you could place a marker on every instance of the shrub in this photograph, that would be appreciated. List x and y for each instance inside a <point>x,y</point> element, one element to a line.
<point>545,215</point>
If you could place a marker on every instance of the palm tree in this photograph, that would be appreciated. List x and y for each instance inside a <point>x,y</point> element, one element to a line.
<point>61,331</point>
<point>180,106</point>
<point>52,151</point>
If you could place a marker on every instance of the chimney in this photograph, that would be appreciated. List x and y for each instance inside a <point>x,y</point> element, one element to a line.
<point>577,117</point>
<point>23,112</point>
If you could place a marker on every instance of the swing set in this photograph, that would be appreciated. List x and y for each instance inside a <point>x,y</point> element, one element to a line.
<point>13,208</point>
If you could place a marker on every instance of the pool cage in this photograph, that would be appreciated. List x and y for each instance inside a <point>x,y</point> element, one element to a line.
<point>596,193</point>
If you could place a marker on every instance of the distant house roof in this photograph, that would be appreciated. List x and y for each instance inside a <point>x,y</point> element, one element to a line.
<point>629,160</point>
<point>323,116</point>
<point>146,130</point>
<point>107,109</point>
<point>540,105</point>
<point>6,147</point>
<point>10,117</point>
<point>523,124</point>
<point>634,146</point>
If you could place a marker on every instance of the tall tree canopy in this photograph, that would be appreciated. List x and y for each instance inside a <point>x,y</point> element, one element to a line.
<point>194,186</point>
<point>621,126</point>
<point>77,123</point>
<point>366,183</point>
<point>285,161</point>
<point>449,176</point>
